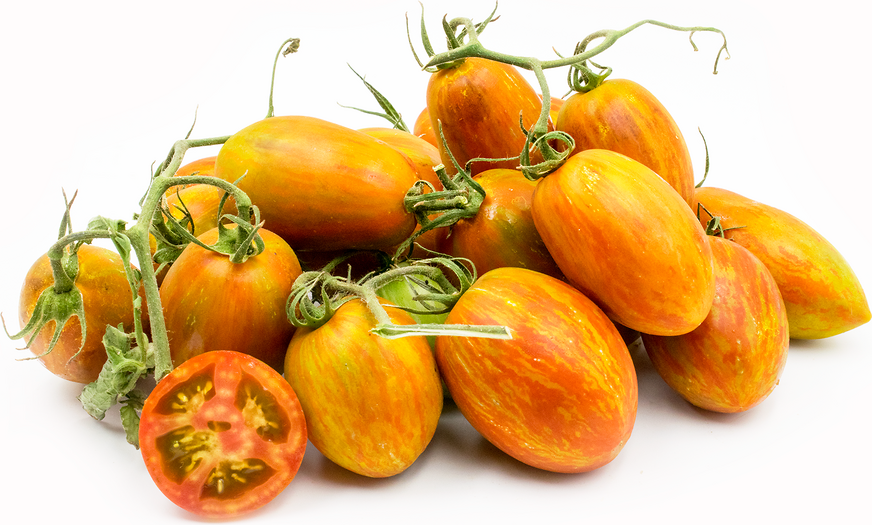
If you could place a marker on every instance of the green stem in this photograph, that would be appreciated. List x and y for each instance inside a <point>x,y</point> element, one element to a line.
<point>63,282</point>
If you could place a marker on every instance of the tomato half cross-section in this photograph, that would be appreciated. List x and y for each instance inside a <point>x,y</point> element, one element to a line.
<point>223,434</point>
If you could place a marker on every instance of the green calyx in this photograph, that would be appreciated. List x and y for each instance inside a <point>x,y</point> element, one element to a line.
<point>316,296</point>
<point>466,37</point>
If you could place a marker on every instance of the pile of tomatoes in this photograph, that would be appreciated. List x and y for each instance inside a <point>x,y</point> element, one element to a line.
<point>602,239</point>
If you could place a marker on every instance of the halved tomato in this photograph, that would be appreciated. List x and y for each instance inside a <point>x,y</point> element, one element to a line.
<point>223,434</point>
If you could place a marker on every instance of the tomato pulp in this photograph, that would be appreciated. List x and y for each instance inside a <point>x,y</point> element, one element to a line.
<point>223,434</point>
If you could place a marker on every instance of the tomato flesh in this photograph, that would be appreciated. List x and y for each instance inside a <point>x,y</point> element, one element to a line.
<point>223,434</point>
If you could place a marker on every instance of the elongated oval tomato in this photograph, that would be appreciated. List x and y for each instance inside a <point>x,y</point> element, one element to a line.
<point>320,185</point>
<point>561,395</point>
<point>502,233</point>
<point>821,292</point>
<point>222,435</point>
<point>628,241</point>
<point>371,403</point>
<point>734,359</point>
<point>211,303</point>
<point>479,104</point>
<point>107,301</point>
<point>622,116</point>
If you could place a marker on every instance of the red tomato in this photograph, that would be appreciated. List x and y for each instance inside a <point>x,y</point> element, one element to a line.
<point>107,301</point>
<point>628,241</point>
<point>211,303</point>
<point>733,360</point>
<point>479,103</point>
<point>319,185</point>
<point>223,434</point>
<point>371,403</point>
<point>424,128</point>
<point>502,233</point>
<point>821,292</point>
<point>622,116</point>
<point>561,395</point>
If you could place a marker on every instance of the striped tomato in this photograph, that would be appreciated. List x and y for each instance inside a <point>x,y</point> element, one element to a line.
<point>733,360</point>
<point>821,292</point>
<point>561,395</point>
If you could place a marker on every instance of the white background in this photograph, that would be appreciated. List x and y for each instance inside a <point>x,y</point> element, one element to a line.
<point>92,93</point>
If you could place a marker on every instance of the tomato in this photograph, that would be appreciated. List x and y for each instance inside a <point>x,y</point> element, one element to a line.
<point>622,116</point>
<point>320,185</point>
<point>204,167</point>
<point>821,292</point>
<point>212,303</point>
<point>372,404</point>
<point>734,359</point>
<point>502,233</point>
<point>423,128</point>
<point>628,241</point>
<point>222,435</point>
<point>479,103</point>
<point>561,395</point>
<point>423,155</point>
<point>107,301</point>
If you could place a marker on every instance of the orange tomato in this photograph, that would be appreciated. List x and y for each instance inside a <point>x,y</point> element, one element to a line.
<point>319,185</point>
<point>211,303</point>
<point>628,241</point>
<point>734,359</point>
<point>561,394</point>
<point>821,292</point>
<point>372,404</point>
<point>622,116</point>
<point>479,103</point>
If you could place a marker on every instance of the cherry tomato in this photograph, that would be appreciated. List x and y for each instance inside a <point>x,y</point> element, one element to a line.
<point>628,241</point>
<point>372,404</point>
<point>734,359</point>
<point>107,301</point>
<point>622,116</point>
<point>561,395</point>
<point>821,292</point>
<point>479,103</point>
<point>212,303</point>
<point>502,233</point>
<point>319,185</point>
<point>222,435</point>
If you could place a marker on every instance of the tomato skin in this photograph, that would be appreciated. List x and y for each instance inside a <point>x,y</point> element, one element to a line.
<point>319,185</point>
<point>622,116</point>
<point>424,128</point>
<point>371,403</point>
<point>423,155</point>
<point>211,303</point>
<point>562,394</point>
<point>224,403</point>
<point>107,301</point>
<point>734,359</point>
<point>821,292</point>
<point>479,103</point>
<point>628,241</point>
<point>502,233</point>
